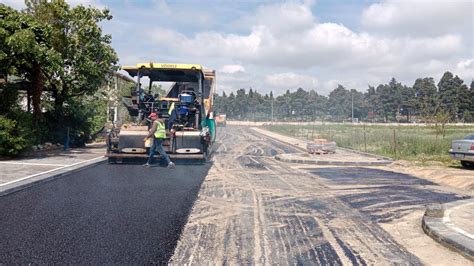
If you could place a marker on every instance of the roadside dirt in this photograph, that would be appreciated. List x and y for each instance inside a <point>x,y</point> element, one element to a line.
<point>407,231</point>
<point>453,177</point>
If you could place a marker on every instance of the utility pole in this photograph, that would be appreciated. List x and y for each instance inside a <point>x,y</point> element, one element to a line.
<point>272,111</point>
<point>352,106</point>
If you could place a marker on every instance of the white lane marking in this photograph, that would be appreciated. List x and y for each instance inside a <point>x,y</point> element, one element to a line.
<point>448,223</point>
<point>49,171</point>
<point>40,164</point>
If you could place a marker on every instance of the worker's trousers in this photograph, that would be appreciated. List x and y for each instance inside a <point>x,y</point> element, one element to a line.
<point>158,144</point>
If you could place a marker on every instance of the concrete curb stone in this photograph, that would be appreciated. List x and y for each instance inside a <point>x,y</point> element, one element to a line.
<point>283,158</point>
<point>366,154</point>
<point>433,225</point>
<point>27,183</point>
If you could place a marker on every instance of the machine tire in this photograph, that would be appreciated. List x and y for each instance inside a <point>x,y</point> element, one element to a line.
<point>112,160</point>
<point>467,164</point>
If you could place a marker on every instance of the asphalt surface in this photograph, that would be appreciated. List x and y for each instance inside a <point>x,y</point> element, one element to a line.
<point>104,214</point>
<point>374,191</point>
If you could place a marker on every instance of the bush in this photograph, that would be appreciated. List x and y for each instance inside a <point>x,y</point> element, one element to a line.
<point>13,137</point>
<point>81,117</point>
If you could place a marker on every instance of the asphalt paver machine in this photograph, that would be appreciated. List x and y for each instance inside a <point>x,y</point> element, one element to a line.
<point>190,95</point>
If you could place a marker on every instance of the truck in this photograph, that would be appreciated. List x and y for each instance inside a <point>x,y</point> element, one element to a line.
<point>190,95</point>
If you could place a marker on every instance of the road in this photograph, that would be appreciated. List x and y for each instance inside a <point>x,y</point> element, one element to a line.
<point>106,214</point>
<point>244,207</point>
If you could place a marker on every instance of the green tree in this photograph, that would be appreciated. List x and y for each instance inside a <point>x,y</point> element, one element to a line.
<point>372,101</point>
<point>471,90</point>
<point>408,102</point>
<point>86,56</point>
<point>360,110</point>
<point>471,108</point>
<point>396,89</point>
<point>463,101</point>
<point>317,104</point>
<point>339,103</point>
<point>426,97</point>
<point>451,91</point>
<point>26,50</point>
<point>384,105</point>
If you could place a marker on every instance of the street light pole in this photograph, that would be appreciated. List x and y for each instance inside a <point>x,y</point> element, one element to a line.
<point>352,106</point>
<point>272,111</point>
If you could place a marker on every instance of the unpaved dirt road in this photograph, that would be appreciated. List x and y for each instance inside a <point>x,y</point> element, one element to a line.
<point>252,209</point>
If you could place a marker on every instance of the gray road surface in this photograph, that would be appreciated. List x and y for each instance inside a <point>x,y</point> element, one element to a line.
<point>104,214</point>
<point>254,209</point>
<point>250,209</point>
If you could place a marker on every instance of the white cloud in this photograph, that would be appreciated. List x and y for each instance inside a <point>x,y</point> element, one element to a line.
<point>291,80</point>
<point>283,45</point>
<point>468,63</point>
<point>16,4</point>
<point>167,37</point>
<point>465,68</point>
<point>326,45</point>
<point>231,69</point>
<point>419,18</point>
<point>277,49</point>
<point>285,18</point>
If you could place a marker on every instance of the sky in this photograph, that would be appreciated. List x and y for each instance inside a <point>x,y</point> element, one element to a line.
<point>312,44</point>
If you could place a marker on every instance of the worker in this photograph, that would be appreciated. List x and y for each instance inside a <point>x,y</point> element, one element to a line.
<point>158,133</point>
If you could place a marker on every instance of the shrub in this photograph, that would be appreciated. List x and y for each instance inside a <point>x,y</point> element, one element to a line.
<point>13,137</point>
<point>81,117</point>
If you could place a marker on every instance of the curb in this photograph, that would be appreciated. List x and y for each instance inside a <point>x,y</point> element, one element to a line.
<point>27,183</point>
<point>367,154</point>
<point>319,162</point>
<point>433,225</point>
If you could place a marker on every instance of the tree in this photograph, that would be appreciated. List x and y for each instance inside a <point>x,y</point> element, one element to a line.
<point>426,97</point>
<point>472,94</point>
<point>372,101</point>
<point>471,109</point>
<point>339,102</point>
<point>463,100</point>
<point>450,90</point>
<point>385,103</point>
<point>317,104</point>
<point>395,90</point>
<point>408,102</point>
<point>360,110</point>
<point>86,56</point>
<point>26,50</point>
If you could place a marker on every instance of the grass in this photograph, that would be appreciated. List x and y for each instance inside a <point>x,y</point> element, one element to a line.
<point>413,143</point>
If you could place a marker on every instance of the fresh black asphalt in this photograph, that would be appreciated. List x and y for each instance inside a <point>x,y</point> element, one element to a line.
<point>103,214</point>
